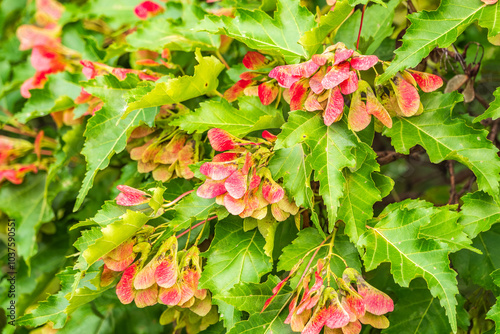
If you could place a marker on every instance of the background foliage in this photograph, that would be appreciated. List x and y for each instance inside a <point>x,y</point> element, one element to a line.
<point>413,207</point>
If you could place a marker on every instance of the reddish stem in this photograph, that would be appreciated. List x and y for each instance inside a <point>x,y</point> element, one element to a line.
<point>18,131</point>
<point>179,198</point>
<point>360,26</point>
<point>195,226</point>
<point>310,261</point>
<point>46,152</point>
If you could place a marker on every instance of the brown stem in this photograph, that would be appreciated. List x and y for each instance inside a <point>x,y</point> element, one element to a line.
<point>483,101</point>
<point>494,131</point>
<point>467,186</point>
<point>411,7</point>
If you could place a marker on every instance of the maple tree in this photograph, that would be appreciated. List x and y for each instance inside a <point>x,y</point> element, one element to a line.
<point>214,166</point>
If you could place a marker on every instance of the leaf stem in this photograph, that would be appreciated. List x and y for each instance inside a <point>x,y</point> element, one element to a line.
<point>177,199</point>
<point>311,260</point>
<point>360,27</point>
<point>218,54</point>
<point>195,226</point>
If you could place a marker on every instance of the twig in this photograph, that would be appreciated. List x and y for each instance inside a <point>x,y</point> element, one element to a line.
<point>385,157</point>
<point>467,186</point>
<point>482,100</point>
<point>494,131</point>
<point>453,189</point>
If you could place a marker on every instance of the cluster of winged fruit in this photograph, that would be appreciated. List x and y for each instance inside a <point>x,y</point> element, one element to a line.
<point>338,311</point>
<point>323,82</point>
<point>164,150</point>
<point>239,180</point>
<point>170,277</point>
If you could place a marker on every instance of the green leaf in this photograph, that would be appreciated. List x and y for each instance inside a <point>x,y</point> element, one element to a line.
<point>76,290</point>
<point>493,111</point>
<point>112,236</point>
<point>291,165</point>
<point>440,28</point>
<point>445,138</point>
<point>313,40</point>
<point>251,116</point>
<point>57,94</point>
<point>234,256</point>
<point>331,154</point>
<point>276,36</point>
<point>192,208</point>
<point>395,239</point>
<point>229,314</point>
<point>28,205</point>
<point>331,151</point>
<point>250,297</point>
<point>158,33</point>
<point>479,213</point>
<point>106,131</point>
<point>494,312</point>
<point>180,89</point>
<point>416,311</point>
<point>361,193</point>
<point>443,228</point>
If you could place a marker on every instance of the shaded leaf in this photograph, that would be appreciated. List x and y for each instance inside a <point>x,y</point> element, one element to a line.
<point>476,268</point>
<point>76,290</point>
<point>416,311</point>
<point>28,205</point>
<point>494,312</point>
